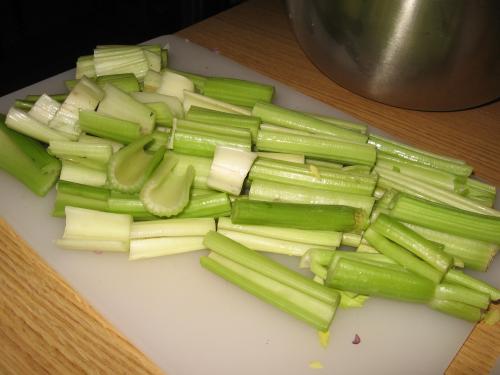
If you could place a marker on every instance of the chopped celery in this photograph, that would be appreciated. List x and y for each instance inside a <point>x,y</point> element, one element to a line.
<point>193,99</point>
<point>197,79</point>
<point>105,126</point>
<point>120,59</point>
<point>174,84</point>
<point>78,195</point>
<point>459,278</point>
<point>154,247</point>
<point>173,103</point>
<point>86,138</point>
<point>152,81</point>
<point>73,171</point>
<point>172,228</point>
<point>44,109</point>
<point>153,59</point>
<point>163,114</point>
<point>237,91</point>
<point>166,192</point>
<point>207,205</point>
<point>125,81</point>
<point>85,67</point>
<point>346,124</point>
<point>459,293</point>
<point>97,152</point>
<point>293,158</point>
<point>457,309</point>
<point>201,167</point>
<point>211,128</point>
<point>129,168</point>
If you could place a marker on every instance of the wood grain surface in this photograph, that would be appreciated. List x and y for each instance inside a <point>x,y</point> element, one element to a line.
<point>47,328</point>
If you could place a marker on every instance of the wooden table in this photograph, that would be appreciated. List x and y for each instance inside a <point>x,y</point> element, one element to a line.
<point>45,327</point>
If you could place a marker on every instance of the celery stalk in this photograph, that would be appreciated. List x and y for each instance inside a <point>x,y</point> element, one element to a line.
<point>207,205</point>
<point>237,91</point>
<point>172,228</point>
<point>354,126</point>
<point>460,278</point>
<point>109,127</point>
<point>459,293</point>
<point>125,81</point>
<point>74,171</point>
<point>194,99</point>
<point>154,247</point>
<point>457,309</point>
<point>97,152</point>
<point>203,143</point>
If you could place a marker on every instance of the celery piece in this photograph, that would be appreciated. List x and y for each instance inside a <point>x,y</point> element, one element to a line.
<point>229,169</point>
<point>293,158</point>
<point>446,219</point>
<point>118,103</point>
<point>402,256</point>
<point>198,100</point>
<point>160,140</point>
<point>421,189</point>
<point>459,293</point>
<point>278,192</point>
<point>173,84</point>
<point>314,237</point>
<point>166,192</point>
<point>93,245</point>
<point>154,247</point>
<point>312,146</point>
<point>153,59</point>
<point>207,205</point>
<point>27,160</point>
<point>259,263</point>
<point>201,167</point>
<point>71,83</point>
<point>209,116</point>
<point>460,278</point>
<point>211,128</point>
<point>23,105</point>
<point>323,163</point>
<point>237,91</point>
<point>130,167</point>
<point>458,309</point>
<point>375,259</point>
<point>86,138</point>
<point>173,103</point>
<point>22,122</point>
<point>78,195</point>
<point>44,109</point>
<point>125,203</point>
<point>84,96</point>
<point>268,244</point>
<point>387,146</point>
<point>120,59</point>
<point>76,172</point>
<point>351,239</point>
<point>197,79</point>
<point>57,97</point>
<point>203,143</point>
<point>313,177</point>
<point>97,152</point>
<point>320,256</point>
<point>300,216</point>
<point>109,127</point>
<point>163,114</point>
<point>172,228</point>
<point>351,300</point>
<point>346,124</point>
<point>152,81</point>
<point>274,114</point>
<point>85,67</point>
<point>431,252</point>
<point>378,280</point>
<point>126,82</point>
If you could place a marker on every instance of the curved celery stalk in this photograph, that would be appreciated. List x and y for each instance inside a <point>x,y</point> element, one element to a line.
<point>129,168</point>
<point>166,193</point>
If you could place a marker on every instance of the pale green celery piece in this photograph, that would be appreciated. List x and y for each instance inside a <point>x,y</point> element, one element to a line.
<point>229,169</point>
<point>97,152</point>
<point>390,179</point>
<point>237,91</point>
<point>153,59</point>
<point>120,59</point>
<point>71,83</point>
<point>351,239</point>
<point>164,116</point>
<point>207,205</point>
<point>347,300</point>
<point>173,103</point>
<point>152,81</point>
<point>457,309</point>
<point>260,263</point>
<point>208,116</point>
<point>375,259</point>
<point>303,306</point>
<point>27,160</point>
<point>268,244</point>
<point>57,97</point>
<point>323,163</point>
<point>84,96</point>
<point>202,143</point>
<point>387,146</point>
<point>364,248</point>
<point>87,138</point>
<point>44,109</point>
<point>316,255</point>
<point>402,256</point>
<point>85,162</point>
<point>460,278</point>
<point>313,177</point>
<point>125,81</point>
<point>161,246</point>
<point>126,203</point>
<point>479,185</point>
<point>318,270</point>
<point>197,79</point>
<point>166,193</point>
<point>93,245</point>
<point>109,127</point>
<point>379,192</point>
<point>346,124</point>
<point>160,140</point>
<point>430,252</point>
<point>201,167</point>
<point>119,104</point>
<point>447,219</point>
<point>312,146</point>
<point>85,67</point>
<point>278,192</point>
<point>274,114</point>
<point>82,174</point>
<point>172,228</point>
<point>22,122</point>
<point>130,167</point>
<point>212,128</point>
<point>293,158</point>
<point>23,105</point>
<point>483,200</point>
<point>314,237</point>
<point>430,175</point>
<point>174,84</point>
<point>198,100</point>
<point>459,293</point>
<point>198,192</point>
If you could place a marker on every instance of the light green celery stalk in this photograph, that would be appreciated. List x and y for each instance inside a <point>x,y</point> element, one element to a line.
<point>85,67</point>
<point>213,128</point>
<point>27,160</point>
<point>120,59</point>
<point>278,192</point>
<point>173,103</point>
<point>129,168</point>
<point>387,146</point>
<point>311,146</point>
<point>126,203</point>
<point>163,114</point>
<point>194,99</point>
<point>166,192</point>
<point>237,91</point>
<point>87,138</point>
<point>125,81</point>
<point>197,79</point>
<point>152,81</point>
<point>346,124</point>
<point>207,205</point>
<point>78,195</point>
<point>109,127</point>
<point>174,84</point>
<point>82,172</point>
<point>97,152</point>
<point>145,248</point>
<point>44,109</point>
<point>273,114</point>
<point>293,158</point>
<point>323,163</point>
<point>460,278</point>
<point>172,228</point>
<point>201,167</point>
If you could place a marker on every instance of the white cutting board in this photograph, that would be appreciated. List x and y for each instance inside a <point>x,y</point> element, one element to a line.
<point>191,322</point>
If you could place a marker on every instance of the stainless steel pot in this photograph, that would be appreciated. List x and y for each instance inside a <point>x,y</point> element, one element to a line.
<point>420,54</point>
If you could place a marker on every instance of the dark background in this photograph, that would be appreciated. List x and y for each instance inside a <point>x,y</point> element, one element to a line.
<point>43,38</point>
